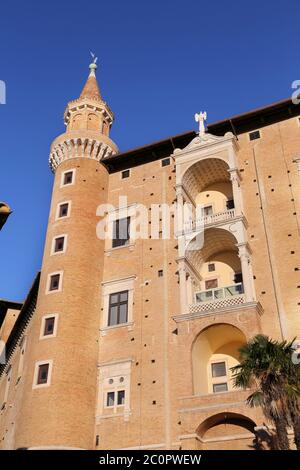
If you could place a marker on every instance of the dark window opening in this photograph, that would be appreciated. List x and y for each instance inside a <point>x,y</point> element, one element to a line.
<point>125,174</point>
<point>121,397</point>
<point>211,267</point>
<point>218,369</point>
<point>68,177</point>
<point>165,162</point>
<point>59,244</point>
<point>110,400</point>
<point>230,204</point>
<point>254,135</point>
<point>118,308</point>
<point>63,210</point>
<point>54,282</point>
<point>43,374</point>
<point>220,387</point>
<point>121,232</point>
<point>49,326</point>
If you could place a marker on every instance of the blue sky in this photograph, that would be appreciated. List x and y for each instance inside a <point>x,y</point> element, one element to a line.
<point>160,62</point>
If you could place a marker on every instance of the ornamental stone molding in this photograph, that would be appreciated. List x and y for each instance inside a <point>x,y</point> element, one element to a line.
<point>73,146</point>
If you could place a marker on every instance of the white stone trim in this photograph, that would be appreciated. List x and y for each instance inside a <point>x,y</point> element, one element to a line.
<point>114,371</point>
<point>52,252</point>
<point>71,170</point>
<point>36,370</point>
<point>43,322</point>
<point>69,202</point>
<point>61,274</point>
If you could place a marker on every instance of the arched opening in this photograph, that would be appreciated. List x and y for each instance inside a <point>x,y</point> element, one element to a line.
<point>208,183</point>
<point>93,122</point>
<point>77,121</point>
<point>219,267</point>
<point>226,431</point>
<point>214,352</point>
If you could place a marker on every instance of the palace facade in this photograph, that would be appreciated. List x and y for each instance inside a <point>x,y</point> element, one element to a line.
<point>127,342</point>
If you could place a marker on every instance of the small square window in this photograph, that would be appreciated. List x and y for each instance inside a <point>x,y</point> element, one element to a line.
<point>207,210</point>
<point>254,135</point>
<point>42,374</point>
<point>63,210</point>
<point>160,273</point>
<point>49,326</point>
<point>165,162</point>
<point>121,397</point>
<point>218,369</point>
<point>125,174</point>
<point>211,267</point>
<point>68,177</point>
<point>59,244</point>
<point>220,388</point>
<point>211,284</point>
<point>110,399</point>
<point>54,282</point>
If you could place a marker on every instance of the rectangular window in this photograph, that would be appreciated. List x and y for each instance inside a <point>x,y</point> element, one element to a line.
<point>218,369</point>
<point>49,326</point>
<point>208,210</point>
<point>118,308</point>
<point>211,267</point>
<point>121,397</point>
<point>42,376</point>
<point>54,282</point>
<point>110,399</point>
<point>160,273</point>
<point>254,135</point>
<point>230,204</point>
<point>211,284</point>
<point>68,178</point>
<point>220,387</point>
<point>59,244</point>
<point>63,210</point>
<point>125,174</point>
<point>165,162</point>
<point>121,229</point>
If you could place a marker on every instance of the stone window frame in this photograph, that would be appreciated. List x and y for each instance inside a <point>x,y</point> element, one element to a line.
<point>114,370</point>
<point>43,324</point>
<point>116,214</point>
<point>71,170</point>
<point>57,217</point>
<point>218,380</point>
<point>36,371</point>
<point>112,287</point>
<point>61,275</point>
<point>52,251</point>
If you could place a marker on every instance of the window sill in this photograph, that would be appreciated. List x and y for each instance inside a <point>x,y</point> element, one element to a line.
<point>105,329</point>
<point>125,414</point>
<point>111,250</point>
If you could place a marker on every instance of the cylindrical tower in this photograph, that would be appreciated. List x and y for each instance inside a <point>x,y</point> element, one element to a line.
<point>59,402</point>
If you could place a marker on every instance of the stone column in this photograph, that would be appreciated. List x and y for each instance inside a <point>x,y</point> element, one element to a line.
<point>182,287</point>
<point>236,191</point>
<point>246,272</point>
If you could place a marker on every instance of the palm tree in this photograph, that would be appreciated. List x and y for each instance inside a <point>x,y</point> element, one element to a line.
<point>267,368</point>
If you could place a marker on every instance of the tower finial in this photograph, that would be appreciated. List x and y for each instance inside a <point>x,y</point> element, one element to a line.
<point>93,65</point>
